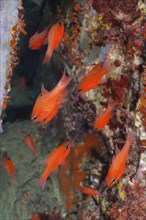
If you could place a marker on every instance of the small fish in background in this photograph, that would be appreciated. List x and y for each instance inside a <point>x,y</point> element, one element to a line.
<point>28,140</point>
<point>89,191</point>
<point>22,82</point>
<point>94,77</point>
<point>118,162</point>
<point>53,161</point>
<point>103,118</point>
<point>49,102</point>
<point>38,39</point>
<point>8,164</point>
<point>35,217</point>
<point>55,36</point>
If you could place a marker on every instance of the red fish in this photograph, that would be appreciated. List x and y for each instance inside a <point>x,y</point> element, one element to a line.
<point>30,143</point>
<point>93,78</point>
<point>9,166</point>
<point>38,39</point>
<point>118,162</point>
<point>103,118</point>
<point>35,217</point>
<point>90,191</point>
<point>22,82</point>
<point>53,161</point>
<point>55,36</point>
<point>48,103</point>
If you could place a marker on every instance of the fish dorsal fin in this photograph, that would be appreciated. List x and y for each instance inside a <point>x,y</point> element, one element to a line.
<point>117,150</point>
<point>46,161</point>
<point>43,90</point>
<point>45,41</point>
<point>63,97</point>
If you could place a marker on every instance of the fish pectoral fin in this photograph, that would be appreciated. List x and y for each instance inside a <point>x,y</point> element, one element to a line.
<point>63,97</point>
<point>57,48</point>
<point>44,161</point>
<point>102,81</point>
<point>56,171</point>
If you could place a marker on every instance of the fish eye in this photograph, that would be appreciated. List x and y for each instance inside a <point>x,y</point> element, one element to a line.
<point>96,129</point>
<point>35,117</point>
<point>113,180</point>
<point>66,147</point>
<point>44,119</point>
<point>101,64</point>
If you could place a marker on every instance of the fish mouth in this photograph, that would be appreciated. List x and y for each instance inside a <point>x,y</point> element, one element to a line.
<point>43,121</point>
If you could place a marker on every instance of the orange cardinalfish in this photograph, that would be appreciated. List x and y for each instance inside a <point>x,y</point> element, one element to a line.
<point>22,82</point>
<point>30,143</point>
<point>55,36</point>
<point>53,161</point>
<point>89,191</point>
<point>48,103</point>
<point>103,118</point>
<point>9,166</point>
<point>35,217</point>
<point>93,78</point>
<point>38,39</point>
<point>118,162</point>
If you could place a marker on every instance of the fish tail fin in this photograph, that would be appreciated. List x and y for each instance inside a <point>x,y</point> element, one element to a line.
<point>32,40</point>
<point>33,153</point>
<point>64,81</point>
<point>47,58</point>
<point>112,103</point>
<point>131,137</point>
<point>63,97</point>
<point>98,193</point>
<point>41,182</point>
<point>43,161</point>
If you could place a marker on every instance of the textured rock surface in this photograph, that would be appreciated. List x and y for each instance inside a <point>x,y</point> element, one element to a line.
<point>21,196</point>
<point>9,36</point>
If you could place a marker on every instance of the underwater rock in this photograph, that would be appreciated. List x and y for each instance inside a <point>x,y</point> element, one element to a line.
<point>10,27</point>
<point>22,192</point>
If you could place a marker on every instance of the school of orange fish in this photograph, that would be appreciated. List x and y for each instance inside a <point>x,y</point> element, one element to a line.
<point>49,102</point>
